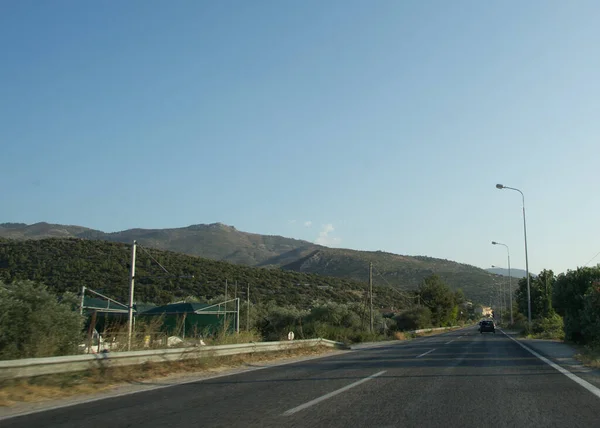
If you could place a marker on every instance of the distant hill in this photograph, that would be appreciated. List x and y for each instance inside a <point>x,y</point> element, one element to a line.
<point>221,242</point>
<point>515,273</point>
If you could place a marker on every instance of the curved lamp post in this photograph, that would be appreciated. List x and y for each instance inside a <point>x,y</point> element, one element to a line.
<point>501,186</point>
<point>509,280</point>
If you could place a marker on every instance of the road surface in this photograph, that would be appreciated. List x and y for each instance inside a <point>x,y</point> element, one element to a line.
<point>459,379</point>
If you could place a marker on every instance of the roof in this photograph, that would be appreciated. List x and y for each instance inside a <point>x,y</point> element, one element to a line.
<point>177,308</point>
<point>102,305</point>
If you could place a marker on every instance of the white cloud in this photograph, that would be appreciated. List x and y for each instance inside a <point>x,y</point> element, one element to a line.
<point>325,239</point>
<point>308,223</point>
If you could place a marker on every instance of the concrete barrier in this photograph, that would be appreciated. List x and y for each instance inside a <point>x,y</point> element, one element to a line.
<point>29,367</point>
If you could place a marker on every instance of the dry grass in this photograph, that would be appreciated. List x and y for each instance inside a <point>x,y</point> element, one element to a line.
<point>400,335</point>
<point>43,388</point>
<point>589,357</point>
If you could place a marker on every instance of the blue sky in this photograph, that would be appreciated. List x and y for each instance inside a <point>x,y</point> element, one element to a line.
<point>384,124</point>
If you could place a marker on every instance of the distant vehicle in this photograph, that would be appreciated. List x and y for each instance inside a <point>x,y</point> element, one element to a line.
<point>487,326</point>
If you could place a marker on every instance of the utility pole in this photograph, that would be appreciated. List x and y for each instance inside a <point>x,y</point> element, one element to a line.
<point>131,286</point>
<point>237,315</point>
<point>237,308</point>
<point>510,297</point>
<point>225,316</point>
<point>248,308</point>
<point>371,294</point>
<point>82,300</point>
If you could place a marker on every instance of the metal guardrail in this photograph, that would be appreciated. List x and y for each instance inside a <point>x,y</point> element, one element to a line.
<point>29,367</point>
<point>427,330</point>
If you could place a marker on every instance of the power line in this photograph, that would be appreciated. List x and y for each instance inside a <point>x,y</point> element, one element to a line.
<point>153,259</point>
<point>592,259</point>
<point>405,295</point>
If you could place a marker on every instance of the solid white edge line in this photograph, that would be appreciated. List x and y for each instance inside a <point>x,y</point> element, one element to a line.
<point>329,395</point>
<point>591,388</point>
<point>425,353</point>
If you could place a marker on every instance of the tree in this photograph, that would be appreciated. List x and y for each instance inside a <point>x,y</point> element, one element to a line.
<point>438,297</point>
<point>34,323</point>
<point>541,294</point>
<point>573,298</point>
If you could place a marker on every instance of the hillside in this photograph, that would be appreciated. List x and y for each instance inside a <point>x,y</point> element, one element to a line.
<point>69,264</point>
<point>405,272</point>
<point>221,242</point>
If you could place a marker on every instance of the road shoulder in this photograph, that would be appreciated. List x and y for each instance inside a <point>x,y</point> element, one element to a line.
<point>562,354</point>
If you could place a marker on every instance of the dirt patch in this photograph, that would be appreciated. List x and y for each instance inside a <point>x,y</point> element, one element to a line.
<point>52,387</point>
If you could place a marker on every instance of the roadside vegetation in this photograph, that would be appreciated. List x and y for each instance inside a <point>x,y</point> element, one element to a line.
<point>563,307</point>
<point>35,322</point>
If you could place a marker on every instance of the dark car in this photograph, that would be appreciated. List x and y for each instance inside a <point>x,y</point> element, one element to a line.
<point>487,326</point>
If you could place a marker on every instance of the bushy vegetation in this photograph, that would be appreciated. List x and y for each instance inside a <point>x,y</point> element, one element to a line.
<point>576,297</point>
<point>68,264</point>
<point>564,306</point>
<point>34,323</point>
<point>550,327</point>
<point>414,318</point>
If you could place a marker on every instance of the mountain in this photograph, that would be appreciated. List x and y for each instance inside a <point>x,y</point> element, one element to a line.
<point>514,273</point>
<point>214,241</point>
<point>41,231</point>
<point>221,242</point>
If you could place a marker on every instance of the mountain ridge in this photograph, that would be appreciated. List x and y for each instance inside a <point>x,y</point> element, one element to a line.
<point>217,241</point>
<point>514,272</point>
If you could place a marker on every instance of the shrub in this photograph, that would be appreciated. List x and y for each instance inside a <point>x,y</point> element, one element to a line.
<point>414,319</point>
<point>34,323</point>
<point>551,327</point>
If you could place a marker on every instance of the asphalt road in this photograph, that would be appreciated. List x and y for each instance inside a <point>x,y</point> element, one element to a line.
<point>459,379</point>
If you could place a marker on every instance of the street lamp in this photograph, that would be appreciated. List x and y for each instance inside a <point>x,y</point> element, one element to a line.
<point>509,279</point>
<point>501,186</point>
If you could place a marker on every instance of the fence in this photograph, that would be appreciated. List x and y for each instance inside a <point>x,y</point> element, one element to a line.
<point>29,367</point>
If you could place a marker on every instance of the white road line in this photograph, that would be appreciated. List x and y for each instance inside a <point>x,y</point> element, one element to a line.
<point>425,353</point>
<point>329,395</point>
<point>594,390</point>
<point>448,343</point>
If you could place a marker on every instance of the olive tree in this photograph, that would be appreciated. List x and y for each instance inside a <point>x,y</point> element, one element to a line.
<point>34,322</point>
